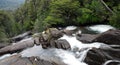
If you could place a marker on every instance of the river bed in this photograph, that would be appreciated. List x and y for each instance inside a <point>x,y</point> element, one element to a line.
<point>75,56</point>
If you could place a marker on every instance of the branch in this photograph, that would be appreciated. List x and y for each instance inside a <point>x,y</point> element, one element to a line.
<point>106,6</point>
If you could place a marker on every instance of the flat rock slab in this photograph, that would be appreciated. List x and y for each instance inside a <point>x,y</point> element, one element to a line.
<point>18,60</point>
<point>17,46</point>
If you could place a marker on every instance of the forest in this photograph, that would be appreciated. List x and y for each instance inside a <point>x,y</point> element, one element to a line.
<point>38,15</point>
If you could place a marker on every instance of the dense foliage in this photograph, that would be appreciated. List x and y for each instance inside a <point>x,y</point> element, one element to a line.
<point>38,15</point>
<point>7,26</point>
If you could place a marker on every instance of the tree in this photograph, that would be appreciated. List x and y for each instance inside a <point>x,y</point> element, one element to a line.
<point>6,25</point>
<point>63,12</point>
<point>115,18</point>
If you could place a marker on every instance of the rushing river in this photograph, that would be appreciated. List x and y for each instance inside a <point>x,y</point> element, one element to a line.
<point>75,56</point>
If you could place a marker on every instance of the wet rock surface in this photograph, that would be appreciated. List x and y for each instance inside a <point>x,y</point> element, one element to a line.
<point>16,47</point>
<point>18,60</point>
<point>62,44</point>
<point>109,37</point>
<point>100,57</point>
<point>95,57</point>
<point>86,38</point>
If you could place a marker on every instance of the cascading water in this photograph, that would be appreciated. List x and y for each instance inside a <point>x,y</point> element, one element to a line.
<point>58,56</point>
<point>75,56</point>
<point>100,28</point>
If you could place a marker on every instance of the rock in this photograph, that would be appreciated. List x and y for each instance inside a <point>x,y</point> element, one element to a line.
<point>38,61</point>
<point>9,60</point>
<point>86,38</point>
<point>109,37</point>
<point>47,39</point>
<point>95,57</point>
<point>18,60</point>
<point>37,40</point>
<point>3,45</point>
<point>21,36</point>
<point>99,56</point>
<point>63,44</point>
<point>55,33</point>
<point>17,46</point>
<point>69,32</point>
<point>60,44</point>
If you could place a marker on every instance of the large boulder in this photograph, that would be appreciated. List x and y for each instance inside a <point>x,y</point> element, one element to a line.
<point>102,57</point>
<point>86,38</point>
<point>95,57</point>
<point>109,37</point>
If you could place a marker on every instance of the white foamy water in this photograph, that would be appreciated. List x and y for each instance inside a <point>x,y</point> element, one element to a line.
<point>100,28</point>
<point>71,28</point>
<point>6,55</point>
<point>75,56</point>
<point>74,43</point>
<point>58,56</point>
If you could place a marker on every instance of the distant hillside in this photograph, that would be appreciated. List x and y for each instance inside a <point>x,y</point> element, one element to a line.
<point>10,4</point>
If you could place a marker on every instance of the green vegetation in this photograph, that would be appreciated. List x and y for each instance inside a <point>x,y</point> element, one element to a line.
<point>115,19</point>
<point>38,15</point>
<point>7,26</point>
